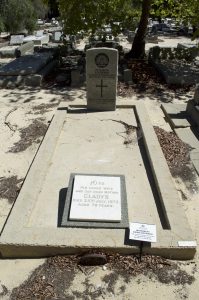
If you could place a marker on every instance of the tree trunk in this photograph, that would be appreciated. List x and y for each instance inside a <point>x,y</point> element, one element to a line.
<point>138,46</point>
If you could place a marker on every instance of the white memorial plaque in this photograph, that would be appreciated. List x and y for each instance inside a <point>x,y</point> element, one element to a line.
<point>143,232</point>
<point>96,198</point>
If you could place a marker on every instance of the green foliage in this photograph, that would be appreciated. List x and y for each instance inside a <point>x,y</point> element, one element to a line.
<point>1,24</point>
<point>18,15</point>
<point>182,10</point>
<point>40,8</point>
<point>91,15</point>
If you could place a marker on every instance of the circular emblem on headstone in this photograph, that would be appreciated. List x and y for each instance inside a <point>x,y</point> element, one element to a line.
<point>101,60</point>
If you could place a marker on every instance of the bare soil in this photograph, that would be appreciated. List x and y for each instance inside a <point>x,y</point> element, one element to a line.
<point>29,135</point>
<point>10,188</point>
<point>52,279</point>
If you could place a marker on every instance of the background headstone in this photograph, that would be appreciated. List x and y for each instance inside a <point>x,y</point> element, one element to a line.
<point>16,39</point>
<point>196,95</point>
<point>101,77</point>
<point>39,33</point>
<point>57,36</point>
<point>128,76</point>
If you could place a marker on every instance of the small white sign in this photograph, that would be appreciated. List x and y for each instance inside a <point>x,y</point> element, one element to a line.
<point>143,232</point>
<point>187,244</point>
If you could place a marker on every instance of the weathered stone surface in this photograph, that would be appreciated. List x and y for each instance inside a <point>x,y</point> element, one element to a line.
<point>25,65</point>
<point>8,51</point>
<point>16,39</point>
<point>101,76</point>
<point>23,49</point>
<point>193,112</point>
<point>128,75</point>
<point>75,78</point>
<point>176,65</point>
<point>38,40</point>
<point>196,94</point>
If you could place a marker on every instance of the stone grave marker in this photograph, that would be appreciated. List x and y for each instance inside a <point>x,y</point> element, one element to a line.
<point>101,77</point>
<point>16,39</point>
<point>57,36</point>
<point>96,198</point>
<point>39,33</point>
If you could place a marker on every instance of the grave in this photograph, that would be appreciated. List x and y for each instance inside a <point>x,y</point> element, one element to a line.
<point>16,39</point>
<point>101,78</point>
<point>97,146</point>
<point>38,40</point>
<point>17,51</point>
<point>184,119</point>
<point>27,70</point>
<point>176,65</point>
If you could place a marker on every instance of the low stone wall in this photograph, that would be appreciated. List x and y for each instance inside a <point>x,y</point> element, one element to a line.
<point>186,54</point>
<point>175,65</point>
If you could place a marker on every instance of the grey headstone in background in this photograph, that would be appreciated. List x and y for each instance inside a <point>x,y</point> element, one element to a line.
<point>57,36</point>
<point>101,77</point>
<point>128,76</point>
<point>26,65</point>
<point>16,39</point>
<point>23,49</point>
<point>39,33</point>
<point>75,77</point>
<point>196,95</point>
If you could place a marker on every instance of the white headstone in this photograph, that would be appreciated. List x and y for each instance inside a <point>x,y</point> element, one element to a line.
<point>101,77</point>
<point>96,198</point>
<point>16,39</point>
<point>39,33</point>
<point>57,36</point>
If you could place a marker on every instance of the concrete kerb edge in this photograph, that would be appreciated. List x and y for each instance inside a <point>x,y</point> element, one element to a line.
<point>170,203</point>
<point>33,176</point>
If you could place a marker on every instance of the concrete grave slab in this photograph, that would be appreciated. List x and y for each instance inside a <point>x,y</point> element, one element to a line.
<point>8,51</point>
<point>93,142</point>
<point>16,39</point>
<point>38,40</point>
<point>178,73</point>
<point>187,136</point>
<point>25,65</point>
<point>176,115</point>
<point>39,33</point>
<point>192,110</point>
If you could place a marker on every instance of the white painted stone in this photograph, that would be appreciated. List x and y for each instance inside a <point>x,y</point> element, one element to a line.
<point>39,33</point>
<point>101,77</point>
<point>57,36</point>
<point>16,39</point>
<point>96,198</point>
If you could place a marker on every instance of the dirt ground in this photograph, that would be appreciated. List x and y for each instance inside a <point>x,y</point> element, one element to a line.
<point>25,115</point>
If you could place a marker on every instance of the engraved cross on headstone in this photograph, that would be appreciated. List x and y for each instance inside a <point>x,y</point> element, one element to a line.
<point>102,86</point>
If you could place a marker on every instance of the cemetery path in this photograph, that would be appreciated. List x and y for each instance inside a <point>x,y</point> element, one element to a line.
<point>20,109</point>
